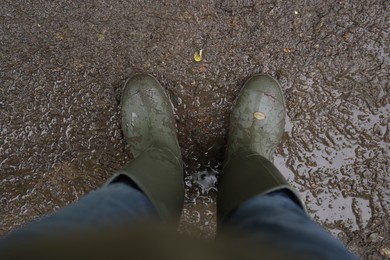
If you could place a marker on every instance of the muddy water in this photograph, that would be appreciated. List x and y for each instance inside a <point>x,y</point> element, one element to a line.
<point>62,66</point>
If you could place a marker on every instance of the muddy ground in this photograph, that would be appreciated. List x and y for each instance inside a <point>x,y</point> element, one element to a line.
<point>63,65</point>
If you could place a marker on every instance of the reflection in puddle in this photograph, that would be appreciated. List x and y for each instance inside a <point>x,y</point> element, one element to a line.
<point>330,160</point>
<point>206,180</point>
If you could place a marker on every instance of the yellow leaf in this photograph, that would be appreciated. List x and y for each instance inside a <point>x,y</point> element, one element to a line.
<point>102,35</point>
<point>198,56</point>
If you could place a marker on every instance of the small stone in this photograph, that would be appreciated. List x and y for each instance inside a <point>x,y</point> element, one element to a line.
<point>385,251</point>
<point>374,237</point>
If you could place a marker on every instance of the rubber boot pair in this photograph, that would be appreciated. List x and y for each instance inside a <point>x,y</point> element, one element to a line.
<point>256,126</point>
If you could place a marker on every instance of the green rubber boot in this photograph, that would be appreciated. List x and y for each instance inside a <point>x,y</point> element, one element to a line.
<point>256,127</point>
<point>149,128</point>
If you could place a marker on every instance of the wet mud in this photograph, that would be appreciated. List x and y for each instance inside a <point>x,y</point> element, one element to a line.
<point>63,65</point>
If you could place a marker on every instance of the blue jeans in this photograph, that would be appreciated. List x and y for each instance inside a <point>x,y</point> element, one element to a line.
<point>276,220</point>
<point>273,219</point>
<point>107,207</point>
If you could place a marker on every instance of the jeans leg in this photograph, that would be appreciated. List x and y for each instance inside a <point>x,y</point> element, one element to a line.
<point>275,220</point>
<point>107,207</point>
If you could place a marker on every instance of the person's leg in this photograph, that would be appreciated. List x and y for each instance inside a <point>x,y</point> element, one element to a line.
<point>107,207</point>
<point>253,196</point>
<point>275,220</point>
<point>149,185</point>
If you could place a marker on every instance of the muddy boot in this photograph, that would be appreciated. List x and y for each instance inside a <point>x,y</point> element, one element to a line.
<point>149,128</point>
<point>256,127</point>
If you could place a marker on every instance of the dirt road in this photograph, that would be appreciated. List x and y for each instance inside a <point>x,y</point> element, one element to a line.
<point>63,64</point>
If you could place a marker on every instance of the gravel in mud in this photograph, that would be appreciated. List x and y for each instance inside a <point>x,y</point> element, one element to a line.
<point>63,64</point>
